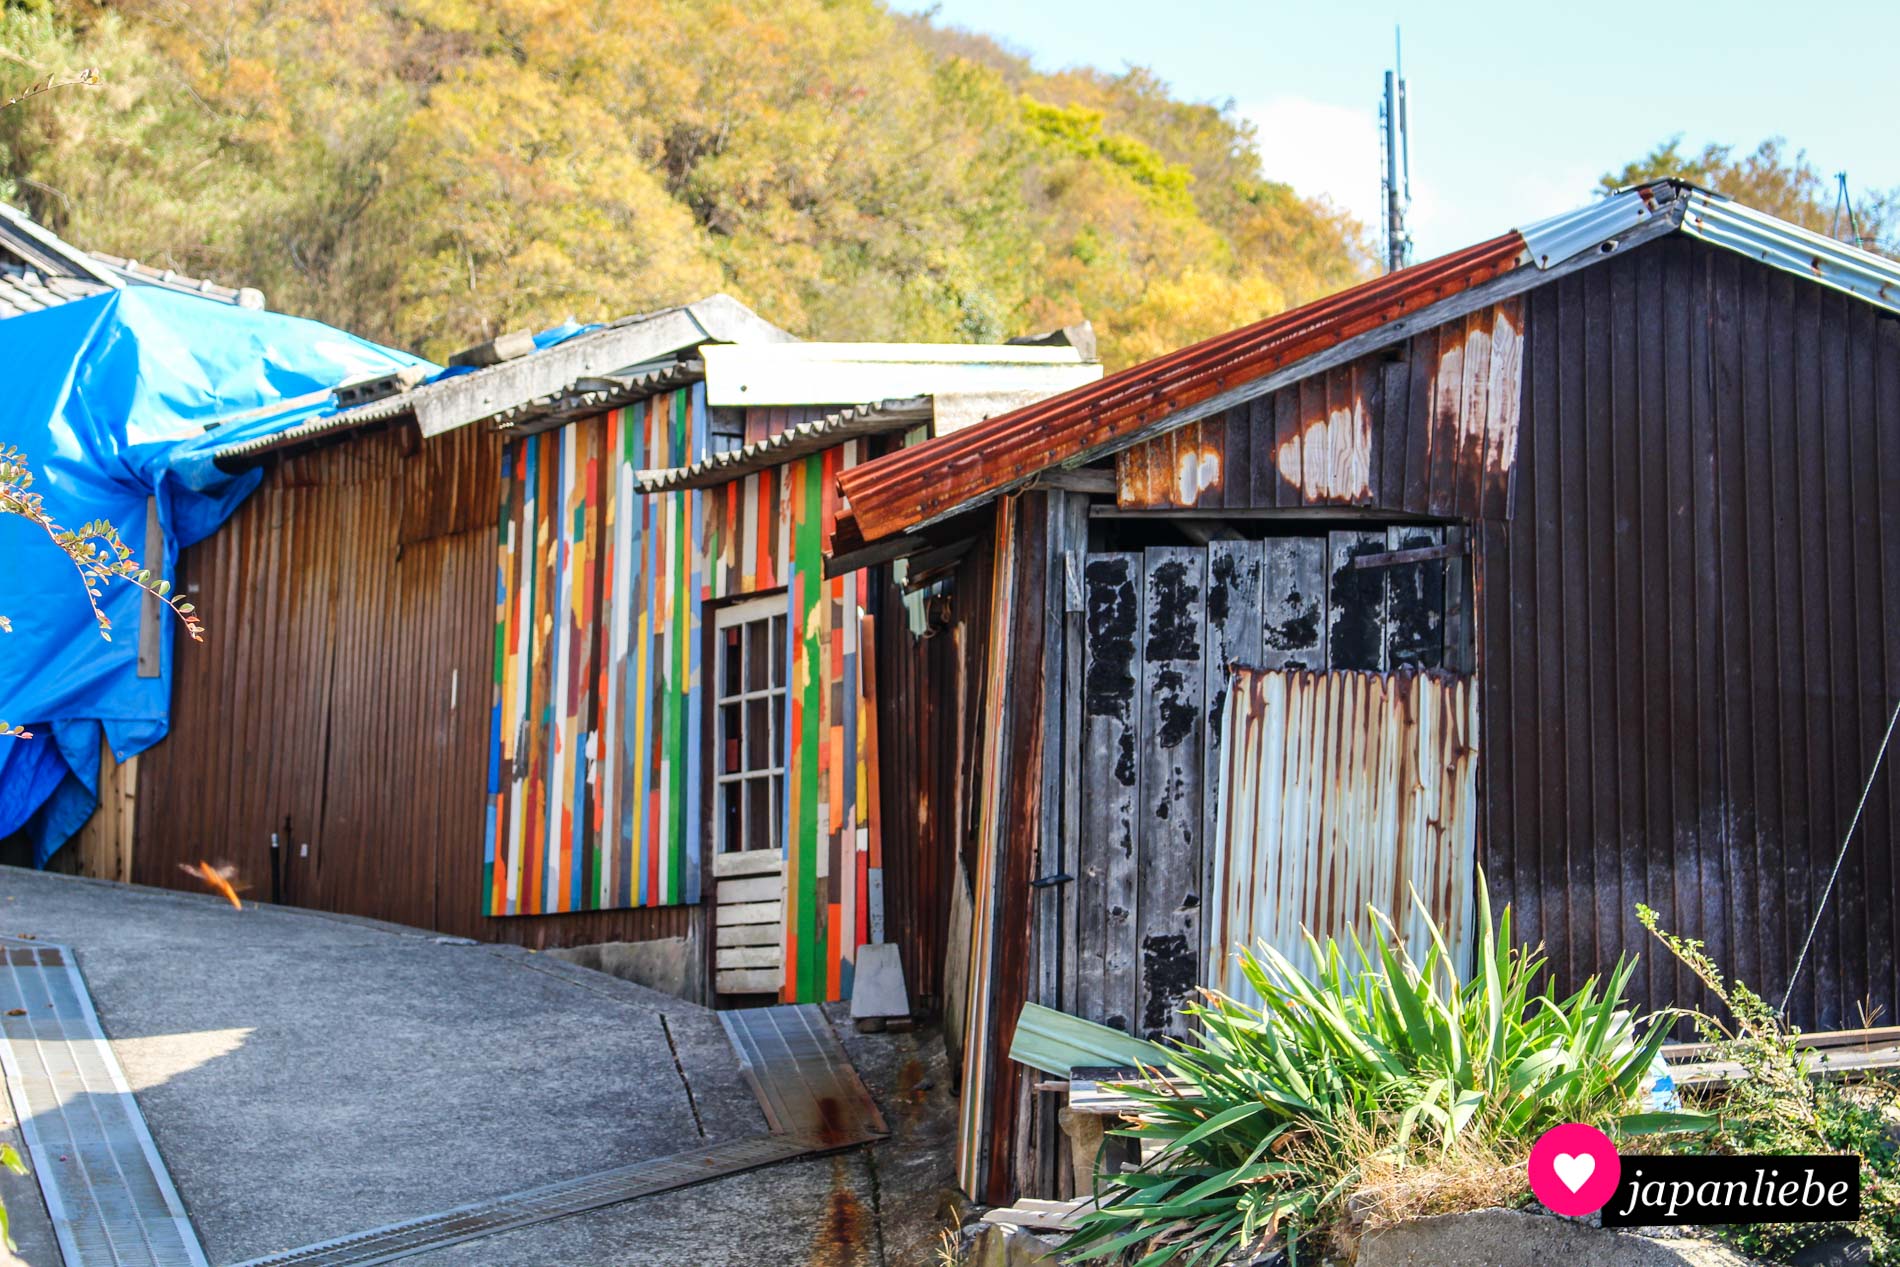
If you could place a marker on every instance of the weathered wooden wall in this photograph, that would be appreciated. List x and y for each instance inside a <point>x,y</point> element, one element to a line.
<point>1691,630</point>
<point>341,702</point>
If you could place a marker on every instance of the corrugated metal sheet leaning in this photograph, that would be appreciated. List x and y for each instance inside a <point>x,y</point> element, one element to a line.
<point>1343,793</point>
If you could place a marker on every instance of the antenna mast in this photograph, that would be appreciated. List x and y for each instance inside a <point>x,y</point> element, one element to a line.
<point>1396,170</point>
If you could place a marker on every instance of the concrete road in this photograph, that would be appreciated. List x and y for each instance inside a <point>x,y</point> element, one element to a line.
<point>308,1076</point>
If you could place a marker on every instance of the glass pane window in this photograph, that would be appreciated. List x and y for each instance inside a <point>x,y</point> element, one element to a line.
<point>748,712</point>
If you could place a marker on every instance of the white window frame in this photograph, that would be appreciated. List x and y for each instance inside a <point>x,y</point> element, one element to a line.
<point>776,692</point>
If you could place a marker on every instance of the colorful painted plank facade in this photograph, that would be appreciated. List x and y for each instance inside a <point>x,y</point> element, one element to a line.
<point>603,599</point>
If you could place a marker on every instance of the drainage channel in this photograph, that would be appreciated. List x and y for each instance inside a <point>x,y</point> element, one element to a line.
<point>538,1205</point>
<point>107,1192</point>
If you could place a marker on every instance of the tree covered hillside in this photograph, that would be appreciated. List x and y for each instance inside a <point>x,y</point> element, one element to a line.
<point>432,172</point>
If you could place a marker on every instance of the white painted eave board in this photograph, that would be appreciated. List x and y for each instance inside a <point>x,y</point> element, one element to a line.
<point>823,374</point>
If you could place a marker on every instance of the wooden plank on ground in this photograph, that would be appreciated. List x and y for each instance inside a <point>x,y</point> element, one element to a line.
<point>748,862</point>
<point>749,935</point>
<point>1293,603</point>
<point>1049,1215</point>
<point>749,913</point>
<point>752,888</point>
<point>1173,682</point>
<point>749,980</point>
<point>1106,960</point>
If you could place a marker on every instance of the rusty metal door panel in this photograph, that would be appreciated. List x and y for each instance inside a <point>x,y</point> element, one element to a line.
<point>1340,792</point>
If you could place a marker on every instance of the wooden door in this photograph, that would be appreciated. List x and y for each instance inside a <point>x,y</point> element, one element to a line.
<point>1162,627</point>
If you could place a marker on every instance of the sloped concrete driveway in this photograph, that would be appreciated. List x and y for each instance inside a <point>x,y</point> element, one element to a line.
<point>307,1077</point>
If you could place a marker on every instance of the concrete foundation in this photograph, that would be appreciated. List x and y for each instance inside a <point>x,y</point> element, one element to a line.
<point>670,965</point>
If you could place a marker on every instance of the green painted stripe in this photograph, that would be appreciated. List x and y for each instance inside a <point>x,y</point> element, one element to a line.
<point>808,566</point>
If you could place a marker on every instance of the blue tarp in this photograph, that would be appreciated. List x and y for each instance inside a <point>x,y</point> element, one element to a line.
<point>108,399</point>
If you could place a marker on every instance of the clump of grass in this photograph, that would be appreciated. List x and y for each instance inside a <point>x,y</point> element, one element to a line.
<point>1778,1106</point>
<point>1375,1086</point>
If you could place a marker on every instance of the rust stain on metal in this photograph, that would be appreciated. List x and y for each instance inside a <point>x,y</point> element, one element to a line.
<point>1330,459</point>
<point>1428,426</point>
<point>1345,791</point>
<point>919,483</point>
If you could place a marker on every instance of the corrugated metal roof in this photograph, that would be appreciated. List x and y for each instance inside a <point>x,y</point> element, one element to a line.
<point>39,269</point>
<point>932,481</point>
<point>587,396</point>
<point>794,441</point>
<point>1874,278</point>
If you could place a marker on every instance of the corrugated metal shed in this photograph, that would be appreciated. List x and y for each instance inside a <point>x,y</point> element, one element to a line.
<point>344,709</point>
<point>1690,633</point>
<point>927,482</point>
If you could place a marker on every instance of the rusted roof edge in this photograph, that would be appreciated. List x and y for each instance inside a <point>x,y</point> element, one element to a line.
<point>1397,330</point>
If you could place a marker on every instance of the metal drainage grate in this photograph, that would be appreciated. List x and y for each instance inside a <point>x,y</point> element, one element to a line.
<point>110,1198</point>
<point>537,1205</point>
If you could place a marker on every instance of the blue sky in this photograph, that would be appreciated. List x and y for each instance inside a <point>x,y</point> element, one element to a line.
<point>1516,109</point>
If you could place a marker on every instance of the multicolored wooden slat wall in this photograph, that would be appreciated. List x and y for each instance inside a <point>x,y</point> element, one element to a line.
<point>595,784</point>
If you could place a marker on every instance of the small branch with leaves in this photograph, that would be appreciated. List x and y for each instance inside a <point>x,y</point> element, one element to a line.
<point>96,550</point>
<point>87,78</point>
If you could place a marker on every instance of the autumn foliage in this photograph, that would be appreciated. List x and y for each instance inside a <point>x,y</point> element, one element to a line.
<point>432,172</point>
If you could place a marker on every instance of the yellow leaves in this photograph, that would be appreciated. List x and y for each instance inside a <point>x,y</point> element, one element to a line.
<point>431,171</point>
<point>1195,305</point>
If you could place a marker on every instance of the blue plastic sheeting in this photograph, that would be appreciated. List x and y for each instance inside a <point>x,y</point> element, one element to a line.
<point>108,399</point>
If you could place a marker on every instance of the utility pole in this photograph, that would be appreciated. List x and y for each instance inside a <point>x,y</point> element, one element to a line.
<point>1396,176</point>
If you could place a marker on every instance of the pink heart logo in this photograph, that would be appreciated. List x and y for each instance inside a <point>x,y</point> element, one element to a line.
<point>1574,1169</point>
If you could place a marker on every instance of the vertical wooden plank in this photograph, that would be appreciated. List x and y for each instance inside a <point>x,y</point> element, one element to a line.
<point>1234,573</point>
<point>1106,969</point>
<point>1415,601</point>
<point>1074,609</point>
<point>1173,680</point>
<point>1293,603</point>
<point>1356,617</point>
<point>1052,861</point>
<point>1460,653</point>
<point>151,622</point>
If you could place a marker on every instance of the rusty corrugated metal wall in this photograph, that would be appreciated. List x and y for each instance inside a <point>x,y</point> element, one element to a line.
<point>342,699</point>
<point>1428,427</point>
<point>1691,630</point>
<point>1342,791</point>
<point>931,681</point>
